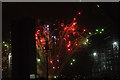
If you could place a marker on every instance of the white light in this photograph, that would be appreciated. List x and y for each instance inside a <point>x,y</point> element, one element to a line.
<point>98,6</point>
<point>71,63</point>
<point>47,26</point>
<point>73,60</point>
<point>114,43</point>
<point>5,45</point>
<point>94,53</point>
<point>55,37</point>
<point>58,67</point>
<point>55,76</point>
<point>57,60</point>
<point>38,60</point>
<point>47,29</point>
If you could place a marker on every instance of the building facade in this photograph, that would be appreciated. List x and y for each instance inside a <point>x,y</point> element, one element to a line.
<point>106,61</point>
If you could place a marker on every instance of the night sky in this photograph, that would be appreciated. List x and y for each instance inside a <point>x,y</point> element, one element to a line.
<point>92,16</point>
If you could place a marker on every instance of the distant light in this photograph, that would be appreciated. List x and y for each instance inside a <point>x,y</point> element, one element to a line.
<point>84,30</point>
<point>38,60</point>
<point>87,40</point>
<point>47,26</point>
<point>79,13</point>
<point>69,49</point>
<point>90,33</point>
<point>57,56</point>
<point>47,29</point>
<point>68,45</point>
<point>55,77</point>
<point>102,29</point>
<point>3,41</point>
<point>71,63</point>
<point>32,76</point>
<point>85,43</point>
<point>95,54</point>
<point>100,32</point>
<point>96,29</point>
<point>51,61</point>
<point>54,37</point>
<point>5,45</point>
<point>73,60</point>
<point>74,23</point>
<point>53,67</point>
<point>98,6</point>
<point>57,60</point>
<point>69,41</point>
<point>74,19</point>
<point>58,67</point>
<point>76,44</point>
<point>73,29</point>
<point>65,28</point>
<point>115,43</point>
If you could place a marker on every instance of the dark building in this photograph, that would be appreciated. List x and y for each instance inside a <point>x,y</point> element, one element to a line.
<point>6,56</point>
<point>23,48</point>
<point>105,57</point>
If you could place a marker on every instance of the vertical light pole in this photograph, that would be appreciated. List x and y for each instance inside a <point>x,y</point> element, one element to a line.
<point>47,48</point>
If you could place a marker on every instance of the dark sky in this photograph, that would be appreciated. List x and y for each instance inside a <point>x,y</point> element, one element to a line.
<point>91,16</point>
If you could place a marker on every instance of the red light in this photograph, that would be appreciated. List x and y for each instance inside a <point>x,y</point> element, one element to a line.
<point>74,19</point>
<point>38,30</point>
<point>41,40</point>
<point>76,44</point>
<point>69,42</point>
<point>73,29</point>
<point>74,23</point>
<point>64,39</point>
<point>68,45</point>
<point>74,33</point>
<point>68,35</point>
<point>62,24</point>
<point>57,56</point>
<point>36,35</point>
<point>84,30</point>
<point>53,67</point>
<point>51,61</point>
<point>36,38</point>
<point>69,49</point>
<point>65,28</point>
<point>79,13</point>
